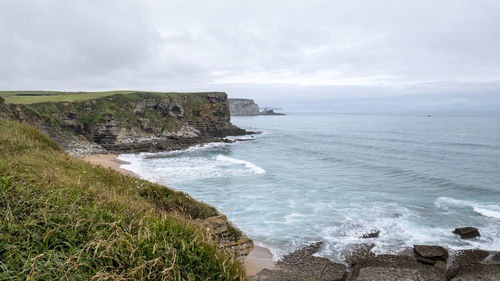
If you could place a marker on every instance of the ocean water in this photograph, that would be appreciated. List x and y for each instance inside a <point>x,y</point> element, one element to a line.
<point>333,177</point>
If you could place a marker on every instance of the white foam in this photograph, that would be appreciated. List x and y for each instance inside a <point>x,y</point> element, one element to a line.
<point>256,169</point>
<point>487,213</point>
<point>441,201</point>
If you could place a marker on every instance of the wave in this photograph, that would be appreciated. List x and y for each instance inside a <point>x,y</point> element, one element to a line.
<point>482,209</point>
<point>256,169</point>
<point>487,213</point>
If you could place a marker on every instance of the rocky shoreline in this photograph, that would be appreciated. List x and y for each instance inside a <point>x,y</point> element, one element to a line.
<point>420,263</point>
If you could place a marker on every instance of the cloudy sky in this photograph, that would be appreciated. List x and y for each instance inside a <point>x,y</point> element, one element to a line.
<point>341,55</point>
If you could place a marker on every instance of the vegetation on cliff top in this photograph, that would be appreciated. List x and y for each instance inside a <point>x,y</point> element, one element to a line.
<point>29,97</point>
<point>63,218</point>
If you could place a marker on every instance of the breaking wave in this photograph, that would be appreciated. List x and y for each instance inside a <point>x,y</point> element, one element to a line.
<point>256,169</point>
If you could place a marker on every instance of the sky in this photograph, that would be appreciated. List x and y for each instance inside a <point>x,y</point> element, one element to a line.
<point>372,55</point>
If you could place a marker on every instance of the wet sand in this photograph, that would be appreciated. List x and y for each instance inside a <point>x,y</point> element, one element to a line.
<point>258,259</point>
<point>108,161</point>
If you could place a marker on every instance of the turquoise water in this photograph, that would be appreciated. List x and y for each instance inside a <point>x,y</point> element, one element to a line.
<point>332,177</point>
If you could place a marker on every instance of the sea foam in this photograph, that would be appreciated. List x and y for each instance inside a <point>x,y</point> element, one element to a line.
<point>256,169</point>
<point>482,209</point>
<point>487,213</point>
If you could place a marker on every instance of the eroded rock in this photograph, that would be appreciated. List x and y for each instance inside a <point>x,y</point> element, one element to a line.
<point>467,232</point>
<point>302,265</point>
<point>431,254</point>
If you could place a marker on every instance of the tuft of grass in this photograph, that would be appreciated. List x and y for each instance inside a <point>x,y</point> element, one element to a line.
<point>65,219</point>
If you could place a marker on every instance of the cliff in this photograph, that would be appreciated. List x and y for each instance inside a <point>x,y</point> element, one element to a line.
<point>243,107</point>
<point>132,122</point>
<point>248,107</point>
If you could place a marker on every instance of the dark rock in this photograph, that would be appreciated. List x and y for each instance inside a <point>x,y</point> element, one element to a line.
<point>358,253</point>
<point>394,267</point>
<point>483,272</point>
<point>496,257</point>
<point>302,265</point>
<point>373,234</point>
<point>398,274</point>
<point>430,254</point>
<point>466,261</point>
<point>467,232</point>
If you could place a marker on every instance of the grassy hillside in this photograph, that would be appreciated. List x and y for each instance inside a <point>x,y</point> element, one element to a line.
<point>63,218</point>
<point>29,97</point>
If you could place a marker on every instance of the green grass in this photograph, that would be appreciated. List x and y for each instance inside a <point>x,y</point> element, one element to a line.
<point>65,219</point>
<point>56,96</point>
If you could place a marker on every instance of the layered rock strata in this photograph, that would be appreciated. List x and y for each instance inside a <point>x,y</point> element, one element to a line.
<point>132,122</point>
<point>228,236</point>
<point>248,107</point>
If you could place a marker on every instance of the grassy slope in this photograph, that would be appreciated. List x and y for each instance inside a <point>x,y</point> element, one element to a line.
<point>55,96</point>
<point>62,218</point>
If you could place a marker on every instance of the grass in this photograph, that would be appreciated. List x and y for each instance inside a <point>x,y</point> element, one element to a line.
<point>65,219</point>
<point>57,96</point>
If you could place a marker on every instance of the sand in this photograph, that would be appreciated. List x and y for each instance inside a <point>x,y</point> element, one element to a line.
<point>108,161</point>
<point>258,259</point>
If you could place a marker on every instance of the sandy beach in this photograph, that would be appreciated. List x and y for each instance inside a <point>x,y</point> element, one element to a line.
<point>258,259</point>
<point>108,161</point>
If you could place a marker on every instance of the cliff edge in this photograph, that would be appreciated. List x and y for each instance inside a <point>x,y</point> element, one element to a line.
<point>132,122</point>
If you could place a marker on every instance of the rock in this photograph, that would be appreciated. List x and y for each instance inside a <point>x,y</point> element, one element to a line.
<point>358,253</point>
<point>239,245</point>
<point>467,232</point>
<point>243,107</point>
<point>430,254</point>
<point>248,107</point>
<point>398,274</point>
<point>394,267</point>
<point>135,122</point>
<point>481,272</point>
<point>469,263</point>
<point>302,265</point>
<point>373,234</point>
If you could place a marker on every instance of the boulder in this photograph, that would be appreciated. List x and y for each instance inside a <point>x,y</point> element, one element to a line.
<point>373,234</point>
<point>467,232</point>
<point>430,254</point>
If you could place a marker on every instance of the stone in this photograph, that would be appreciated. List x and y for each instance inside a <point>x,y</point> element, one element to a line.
<point>373,234</point>
<point>430,254</point>
<point>464,261</point>
<point>467,232</point>
<point>394,267</point>
<point>358,253</point>
<point>482,272</point>
<point>302,265</point>
<point>398,274</point>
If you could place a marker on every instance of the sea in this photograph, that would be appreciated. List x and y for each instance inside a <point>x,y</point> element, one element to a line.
<point>330,177</point>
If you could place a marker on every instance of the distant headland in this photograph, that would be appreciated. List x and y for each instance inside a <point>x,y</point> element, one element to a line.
<point>248,107</point>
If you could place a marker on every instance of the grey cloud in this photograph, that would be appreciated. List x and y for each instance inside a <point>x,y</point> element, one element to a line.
<point>326,50</point>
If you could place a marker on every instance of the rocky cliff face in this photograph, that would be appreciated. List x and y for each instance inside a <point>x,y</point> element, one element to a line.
<point>132,122</point>
<point>248,107</point>
<point>243,107</point>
